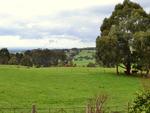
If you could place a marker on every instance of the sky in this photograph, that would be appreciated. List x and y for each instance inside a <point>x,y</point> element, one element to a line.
<point>54,23</point>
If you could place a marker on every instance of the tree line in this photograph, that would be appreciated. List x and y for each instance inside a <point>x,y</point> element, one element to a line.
<point>36,57</point>
<point>124,39</point>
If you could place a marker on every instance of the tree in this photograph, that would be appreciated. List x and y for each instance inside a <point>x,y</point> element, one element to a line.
<point>19,57</point>
<point>141,46</point>
<point>4,56</point>
<point>47,57</point>
<point>26,61</point>
<point>13,61</point>
<point>106,51</point>
<point>128,18</point>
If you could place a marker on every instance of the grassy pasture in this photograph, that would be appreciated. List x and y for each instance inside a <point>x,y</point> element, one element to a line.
<point>63,87</point>
<point>81,61</point>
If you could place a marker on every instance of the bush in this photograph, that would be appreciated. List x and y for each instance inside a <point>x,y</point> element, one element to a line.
<point>90,64</point>
<point>97,104</point>
<point>37,66</point>
<point>141,104</point>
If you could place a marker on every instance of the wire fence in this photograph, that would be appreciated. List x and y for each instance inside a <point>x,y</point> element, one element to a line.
<point>34,109</point>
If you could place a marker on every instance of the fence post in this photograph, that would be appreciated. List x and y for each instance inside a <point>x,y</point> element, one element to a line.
<point>33,109</point>
<point>88,109</point>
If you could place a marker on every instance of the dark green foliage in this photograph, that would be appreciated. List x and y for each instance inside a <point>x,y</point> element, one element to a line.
<point>106,51</point>
<point>90,64</point>
<point>141,103</point>
<point>37,57</point>
<point>26,61</point>
<point>19,56</point>
<point>141,45</point>
<point>122,12</point>
<point>47,57</point>
<point>114,45</point>
<point>13,61</point>
<point>4,56</point>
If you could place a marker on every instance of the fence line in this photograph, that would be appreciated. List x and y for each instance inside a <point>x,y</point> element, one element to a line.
<point>34,109</point>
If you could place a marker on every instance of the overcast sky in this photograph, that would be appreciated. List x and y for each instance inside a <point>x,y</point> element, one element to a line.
<point>54,23</point>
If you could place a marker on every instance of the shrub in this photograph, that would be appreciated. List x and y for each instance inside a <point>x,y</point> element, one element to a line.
<point>97,104</point>
<point>90,64</point>
<point>141,104</point>
<point>37,66</point>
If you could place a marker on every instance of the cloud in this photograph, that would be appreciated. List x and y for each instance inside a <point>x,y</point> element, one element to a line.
<point>78,23</point>
<point>59,20</point>
<point>61,41</point>
<point>30,8</point>
<point>144,3</point>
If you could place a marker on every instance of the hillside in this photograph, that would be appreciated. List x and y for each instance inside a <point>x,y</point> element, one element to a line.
<point>81,57</point>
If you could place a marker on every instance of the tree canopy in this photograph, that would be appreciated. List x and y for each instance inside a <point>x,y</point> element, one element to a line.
<point>114,46</point>
<point>36,57</point>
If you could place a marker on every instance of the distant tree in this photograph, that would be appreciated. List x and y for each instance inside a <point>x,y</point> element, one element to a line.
<point>26,61</point>
<point>28,53</point>
<point>75,51</point>
<point>48,57</point>
<point>19,57</point>
<point>13,61</point>
<point>4,56</point>
<point>37,57</point>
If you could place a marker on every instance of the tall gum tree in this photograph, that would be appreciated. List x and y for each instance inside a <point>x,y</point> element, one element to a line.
<point>141,45</point>
<point>128,18</point>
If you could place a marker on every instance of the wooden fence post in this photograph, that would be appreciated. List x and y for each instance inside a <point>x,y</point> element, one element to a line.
<point>88,109</point>
<point>33,109</point>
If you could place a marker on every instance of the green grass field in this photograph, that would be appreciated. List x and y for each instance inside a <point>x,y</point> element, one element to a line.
<point>63,87</point>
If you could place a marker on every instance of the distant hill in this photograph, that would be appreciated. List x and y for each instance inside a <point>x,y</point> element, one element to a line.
<point>81,56</point>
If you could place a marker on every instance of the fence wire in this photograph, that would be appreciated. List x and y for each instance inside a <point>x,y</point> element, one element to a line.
<point>33,109</point>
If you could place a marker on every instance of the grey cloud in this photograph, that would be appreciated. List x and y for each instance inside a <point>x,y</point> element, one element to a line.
<point>20,27</point>
<point>83,24</point>
<point>96,10</point>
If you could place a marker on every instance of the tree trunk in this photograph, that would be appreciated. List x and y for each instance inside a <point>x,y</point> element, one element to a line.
<point>128,69</point>
<point>147,72</point>
<point>117,70</point>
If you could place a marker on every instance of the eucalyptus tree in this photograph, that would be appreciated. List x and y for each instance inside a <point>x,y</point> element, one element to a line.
<point>128,18</point>
<point>141,46</point>
<point>4,56</point>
